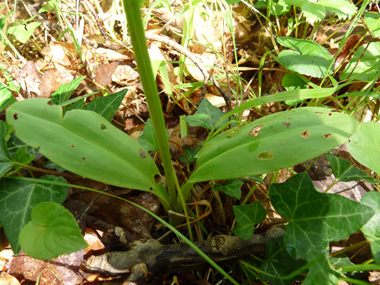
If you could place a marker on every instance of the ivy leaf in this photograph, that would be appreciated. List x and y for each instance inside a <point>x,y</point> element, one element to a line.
<point>232,188</point>
<point>52,231</point>
<point>280,263</point>
<point>23,157</point>
<point>344,171</point>
<point>247,217</point>
<point>18,198</point>
<point>65,91</point>
<point>207,116</point>
<point>23,32</point>
<point>148,139</point>
<point>107,105</point>
<point>315,218</point>
<point>371,229</point>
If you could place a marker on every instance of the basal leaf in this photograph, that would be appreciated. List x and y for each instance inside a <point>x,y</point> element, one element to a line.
<point>276,141</point>
<point>368,67</point>
<point>6,161</point>
<point>247,217</point>
<point>344,171</point>
<point>65,91</point>
<point>107,105</point>
<point>85,143</point>
<point>315,218</point>
<point>371,229</point>
<point>232,188</point>
<point>364,146</point>
<point>52,231</point>
<point>18,198</point>
<point>306,57</point>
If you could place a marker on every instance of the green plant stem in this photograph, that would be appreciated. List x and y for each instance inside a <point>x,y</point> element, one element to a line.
<point>136,30</point>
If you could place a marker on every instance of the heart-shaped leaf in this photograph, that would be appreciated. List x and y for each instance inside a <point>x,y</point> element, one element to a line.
<point>276,141</point>
<point>306,57</point>
<point>52,231</point>
<point>364,146</point>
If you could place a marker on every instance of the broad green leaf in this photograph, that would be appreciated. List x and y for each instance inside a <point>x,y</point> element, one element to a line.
<point>51,232</point>
<point>315,218</point>
<point>373,23</point>
<point>107,105</point>
<point>343,9</point>
<point>344,171</point>
<point>6,97</point>
<point>306,57</point>
<point>65,91</point>
<point>148,139</point>
<point>364,146</point>
<point>276,141</point>
<point>232,188</point>
<point>371,229</point>
<point>6,161</point>
<point>23,32</point>
<point>207,116</point>
<point>18,198</point>
<point>85,143</point>
<point>247,217</point>
<point>23,157</point>
<point>280,263</point>
<point>368,67</point>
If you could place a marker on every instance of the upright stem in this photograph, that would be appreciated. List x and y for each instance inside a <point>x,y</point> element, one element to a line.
<point>140,48</point>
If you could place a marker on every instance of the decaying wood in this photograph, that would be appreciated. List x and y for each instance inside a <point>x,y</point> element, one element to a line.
<point>158,257</point>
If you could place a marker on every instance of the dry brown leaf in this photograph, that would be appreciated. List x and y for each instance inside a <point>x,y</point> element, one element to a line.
<point>103,74</point>
<point>64,267</point>
<point>6,279</point>
<point>51,80</point>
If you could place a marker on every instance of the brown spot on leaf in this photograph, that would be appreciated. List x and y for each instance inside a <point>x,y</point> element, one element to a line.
<point>255,131</point>
<point>327,136</point>
<point>15,116</point>
<point>73,145</point>
<point>83,158</point>
<point>103,127</point>
<point>305,134</point>
<point>287,124</point>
